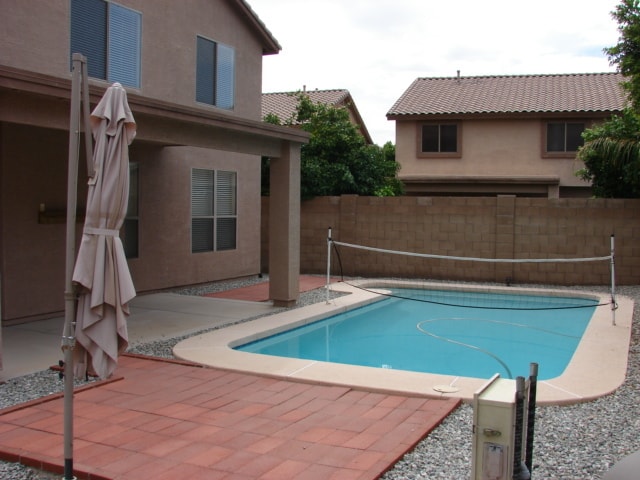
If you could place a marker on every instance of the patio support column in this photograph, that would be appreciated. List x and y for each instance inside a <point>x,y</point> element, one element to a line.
<point>284,226</point>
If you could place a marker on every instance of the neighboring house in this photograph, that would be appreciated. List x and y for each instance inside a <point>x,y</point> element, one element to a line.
<point>284,105</point>
<point>497,135</point>
<point>193,72</point>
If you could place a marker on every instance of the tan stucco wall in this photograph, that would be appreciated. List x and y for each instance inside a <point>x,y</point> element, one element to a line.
<point>511,148</point>
<point>36,37</point>
<point>165,235</point>
<point>33,253</point>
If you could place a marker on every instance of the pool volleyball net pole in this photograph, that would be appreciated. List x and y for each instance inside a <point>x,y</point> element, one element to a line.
<point>364,262</point>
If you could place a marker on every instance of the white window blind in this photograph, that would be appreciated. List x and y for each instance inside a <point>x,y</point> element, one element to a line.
<point>225,64</point>
<point>226,193</point>
<point>226,210</point>
<point>202,193</point>
<point>124,45</point>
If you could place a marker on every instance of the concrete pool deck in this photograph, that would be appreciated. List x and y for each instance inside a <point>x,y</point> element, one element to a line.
<point>597,368</point>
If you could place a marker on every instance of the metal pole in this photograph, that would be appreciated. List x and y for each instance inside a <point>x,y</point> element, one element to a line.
<point>88,142</point>
<point>614,305</point>
<point>531,416</point>
<point>328,263</point>
<point>68,335</point>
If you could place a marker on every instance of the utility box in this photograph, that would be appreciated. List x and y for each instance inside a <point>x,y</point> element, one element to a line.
<point>494,430</point>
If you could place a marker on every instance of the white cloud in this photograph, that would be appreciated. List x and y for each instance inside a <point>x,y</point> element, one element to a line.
<point>375,49</point>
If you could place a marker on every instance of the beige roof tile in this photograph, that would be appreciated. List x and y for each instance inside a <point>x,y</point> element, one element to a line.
<point>586,92</point>
<point>283,104</point>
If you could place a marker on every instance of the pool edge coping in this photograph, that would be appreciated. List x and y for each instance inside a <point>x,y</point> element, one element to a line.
<point>597,368</point>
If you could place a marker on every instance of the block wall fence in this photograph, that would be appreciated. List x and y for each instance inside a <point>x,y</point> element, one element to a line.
<point>479,227</point>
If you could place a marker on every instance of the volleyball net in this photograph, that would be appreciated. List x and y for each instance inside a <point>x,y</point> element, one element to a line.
<point>411,275</point>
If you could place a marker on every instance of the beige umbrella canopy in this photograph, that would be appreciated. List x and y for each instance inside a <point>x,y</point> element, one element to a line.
<point>101,269</point>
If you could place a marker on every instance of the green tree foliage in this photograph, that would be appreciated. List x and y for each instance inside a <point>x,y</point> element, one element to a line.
<point>626,54</point>
<point>611,155</point>
<point>611,152</point>
<point>337,159</point>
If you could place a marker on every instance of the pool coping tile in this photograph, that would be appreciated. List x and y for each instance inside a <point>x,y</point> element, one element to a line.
<point>597,368</point>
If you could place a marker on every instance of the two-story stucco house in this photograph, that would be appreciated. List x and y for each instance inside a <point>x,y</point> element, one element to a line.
<point>193,73</point>
<point>284,104</point>
<point>492,135</point>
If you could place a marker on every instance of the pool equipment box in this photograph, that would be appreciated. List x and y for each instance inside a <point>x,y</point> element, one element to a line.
<point>498,431</point>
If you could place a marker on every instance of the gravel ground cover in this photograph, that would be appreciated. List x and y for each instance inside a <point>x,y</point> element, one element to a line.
<point>575,442</point>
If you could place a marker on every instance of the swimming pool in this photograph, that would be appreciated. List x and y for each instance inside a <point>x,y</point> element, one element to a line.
<point>448,332</point>
<point>597,367</point>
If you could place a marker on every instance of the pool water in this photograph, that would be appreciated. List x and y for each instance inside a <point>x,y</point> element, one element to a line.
<point>441,334</point>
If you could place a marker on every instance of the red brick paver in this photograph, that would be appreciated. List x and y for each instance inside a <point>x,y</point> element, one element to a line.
<point>162,419</point>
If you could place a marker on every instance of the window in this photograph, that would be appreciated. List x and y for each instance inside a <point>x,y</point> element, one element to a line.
<point>213,210</point>
<point>130,226</point>
<point>564,137</point>
<point>109,36</point>
<point>439,138</point>
<point>215,74</point>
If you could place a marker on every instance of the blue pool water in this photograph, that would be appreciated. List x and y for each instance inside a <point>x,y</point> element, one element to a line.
<point>503,334</point>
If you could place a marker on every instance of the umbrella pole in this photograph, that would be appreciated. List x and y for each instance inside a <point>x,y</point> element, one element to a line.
<point>68,335</point>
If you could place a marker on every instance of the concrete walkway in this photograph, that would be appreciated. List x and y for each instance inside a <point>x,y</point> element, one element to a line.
<point>35,346</point>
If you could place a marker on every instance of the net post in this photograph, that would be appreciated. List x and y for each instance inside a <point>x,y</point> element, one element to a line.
<point>614,305</point>
<point>328,264</point>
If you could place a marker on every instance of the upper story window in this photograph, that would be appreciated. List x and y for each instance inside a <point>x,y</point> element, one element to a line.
<point>564,137</point>
<point>439,139</point>
<point>109,36</point>
<point>215,74</point>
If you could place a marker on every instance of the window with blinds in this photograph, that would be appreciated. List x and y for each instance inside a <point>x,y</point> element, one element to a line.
<point>131,221</point>
<point>109,36</point>
<point>213,210</point>
<point>215,73</point>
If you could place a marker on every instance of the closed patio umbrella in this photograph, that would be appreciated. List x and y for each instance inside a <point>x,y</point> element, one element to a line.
<point>101,269</point>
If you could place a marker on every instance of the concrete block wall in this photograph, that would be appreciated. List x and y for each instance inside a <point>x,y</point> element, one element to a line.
<point>477,227</point>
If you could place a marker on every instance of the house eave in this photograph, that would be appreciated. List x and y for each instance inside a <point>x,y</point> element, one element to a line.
<point>426,117</point>
<point>270,46</point>
<point>158,121</point>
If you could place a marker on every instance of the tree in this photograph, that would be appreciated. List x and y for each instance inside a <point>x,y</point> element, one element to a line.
<point>611,155</point>
<point>611,152</point>
<point>337,159</point>
<point>626,54</point>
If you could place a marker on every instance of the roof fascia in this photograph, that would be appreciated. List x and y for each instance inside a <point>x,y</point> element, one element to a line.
<point>270,46</point>
<point>434,117</point>
<point>351,105</point>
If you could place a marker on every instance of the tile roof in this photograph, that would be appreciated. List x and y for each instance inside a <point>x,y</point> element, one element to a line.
<point>283,104</point>
<point>586,92</point>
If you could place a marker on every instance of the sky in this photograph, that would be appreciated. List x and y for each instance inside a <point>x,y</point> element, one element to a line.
<point>375,49</point>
